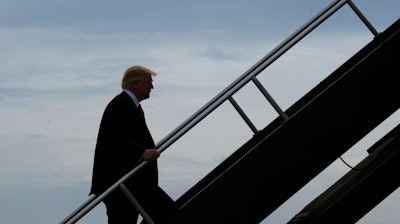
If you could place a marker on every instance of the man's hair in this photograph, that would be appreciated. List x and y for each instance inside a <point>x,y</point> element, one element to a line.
<point>135,73</point>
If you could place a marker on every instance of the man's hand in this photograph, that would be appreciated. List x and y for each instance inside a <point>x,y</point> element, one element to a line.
<point>150,155</point>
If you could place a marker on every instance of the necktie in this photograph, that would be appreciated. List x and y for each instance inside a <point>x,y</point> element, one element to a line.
<point>141,110</point>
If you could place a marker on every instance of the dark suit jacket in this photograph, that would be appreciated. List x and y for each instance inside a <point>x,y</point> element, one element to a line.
<point>123,136</point>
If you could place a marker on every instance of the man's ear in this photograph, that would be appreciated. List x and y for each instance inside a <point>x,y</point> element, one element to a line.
<point>133,85</point>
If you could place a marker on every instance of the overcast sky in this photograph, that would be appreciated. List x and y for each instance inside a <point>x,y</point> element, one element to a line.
<point>61,62</point>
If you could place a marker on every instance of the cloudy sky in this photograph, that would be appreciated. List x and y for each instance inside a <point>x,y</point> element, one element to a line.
<point>62,61</point>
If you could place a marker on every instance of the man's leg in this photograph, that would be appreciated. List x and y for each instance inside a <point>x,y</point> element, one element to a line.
<point>119,209</point>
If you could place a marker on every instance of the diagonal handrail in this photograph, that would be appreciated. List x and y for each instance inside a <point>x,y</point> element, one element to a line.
<point>250,73</point>
<point>226,94</point>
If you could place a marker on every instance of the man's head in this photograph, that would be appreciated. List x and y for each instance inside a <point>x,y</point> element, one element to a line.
<point>138,79</point>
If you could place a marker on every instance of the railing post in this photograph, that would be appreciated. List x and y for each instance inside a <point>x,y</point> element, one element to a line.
<point>243,115</point>
<point>362,17</point>
<point>270,99</point>
<point>136,204</point>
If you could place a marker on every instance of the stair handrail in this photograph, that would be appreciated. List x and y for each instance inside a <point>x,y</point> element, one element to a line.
<point>250,73</point>
<point>223,96</point>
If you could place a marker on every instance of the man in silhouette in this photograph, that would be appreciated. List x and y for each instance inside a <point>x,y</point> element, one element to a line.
<point>123,142</point>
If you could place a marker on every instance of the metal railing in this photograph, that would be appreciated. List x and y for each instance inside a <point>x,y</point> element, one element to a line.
<point>223,96</point>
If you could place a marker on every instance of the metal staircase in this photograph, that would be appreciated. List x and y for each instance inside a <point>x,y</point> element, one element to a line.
<point>324,124</point>
<point>250,184</point>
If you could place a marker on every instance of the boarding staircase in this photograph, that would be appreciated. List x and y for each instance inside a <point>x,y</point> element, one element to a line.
<point>307,137</point>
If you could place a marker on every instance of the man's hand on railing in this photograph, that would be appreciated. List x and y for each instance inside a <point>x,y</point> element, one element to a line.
<point>150,155</point>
